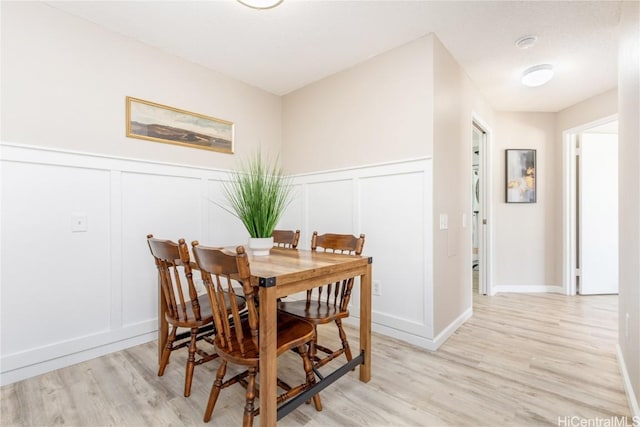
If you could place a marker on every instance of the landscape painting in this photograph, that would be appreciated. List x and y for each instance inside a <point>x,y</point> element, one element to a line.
<point>156,122</point>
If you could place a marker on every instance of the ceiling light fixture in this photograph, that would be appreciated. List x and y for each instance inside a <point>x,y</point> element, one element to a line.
<point>526,42</point>
<point>537,75</point>
<point>261,4</point>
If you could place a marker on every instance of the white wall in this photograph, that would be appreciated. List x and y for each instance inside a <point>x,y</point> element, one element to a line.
<point>376,112</point>
<point>456,102</point>
<point>412,101</point>
<point>629,181</point>
<point>64,83</point>
<point>379,111</point>
<point>528,237</point>
<point>587,111</point>
<point>70,296</point>
<point>366,200</point>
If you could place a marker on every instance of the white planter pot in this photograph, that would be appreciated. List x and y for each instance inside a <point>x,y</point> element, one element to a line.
<point>260,246</point>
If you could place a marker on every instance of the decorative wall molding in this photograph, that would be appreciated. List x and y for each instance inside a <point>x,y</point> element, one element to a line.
<point>99,294</point>
<point>420,340</point>
<point>39,361</point>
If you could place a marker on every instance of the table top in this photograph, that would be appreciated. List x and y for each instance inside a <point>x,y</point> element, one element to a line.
<point>287,266</point>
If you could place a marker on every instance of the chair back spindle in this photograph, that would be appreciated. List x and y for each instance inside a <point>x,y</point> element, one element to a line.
<point>338,293</point>
<point>237,338</point>
<point>173,262</point>
<point>330,302</point>
<point>220,271</point>
<point>184,307</point>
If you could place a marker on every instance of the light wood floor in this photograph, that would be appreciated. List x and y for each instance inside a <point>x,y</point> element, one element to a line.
<point>521,360</point>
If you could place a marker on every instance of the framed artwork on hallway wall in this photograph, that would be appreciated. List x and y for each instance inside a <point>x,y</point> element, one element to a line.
<point>161,123</point>
<point>520,176</point>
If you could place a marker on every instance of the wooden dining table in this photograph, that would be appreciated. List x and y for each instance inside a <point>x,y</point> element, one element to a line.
<point>286,272</point>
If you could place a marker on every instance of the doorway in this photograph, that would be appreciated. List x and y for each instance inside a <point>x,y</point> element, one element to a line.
<point>480,209</point>
<point>591,208</point>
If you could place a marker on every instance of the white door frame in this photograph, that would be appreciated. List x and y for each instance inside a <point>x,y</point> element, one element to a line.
<point>485,234</point>
<point>569,192</point>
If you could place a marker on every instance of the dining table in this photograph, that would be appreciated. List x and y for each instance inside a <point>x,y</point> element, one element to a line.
<point>286,272</point>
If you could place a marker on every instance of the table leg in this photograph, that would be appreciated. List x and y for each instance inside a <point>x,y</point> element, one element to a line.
<point>365,323</point>
<point>268,357</point>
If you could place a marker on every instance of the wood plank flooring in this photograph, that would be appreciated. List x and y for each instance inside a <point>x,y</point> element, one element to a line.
<point>521,360</point>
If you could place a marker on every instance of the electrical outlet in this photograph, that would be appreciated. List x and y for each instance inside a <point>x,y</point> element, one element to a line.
<point>377,288</point>
<point>626,325</point>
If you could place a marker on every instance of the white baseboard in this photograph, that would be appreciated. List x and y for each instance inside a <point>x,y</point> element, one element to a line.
<point>452,327</point>
<point>528,289</point>
<point>17,367</point>
<point>634,406</point>
<point>431,344</point>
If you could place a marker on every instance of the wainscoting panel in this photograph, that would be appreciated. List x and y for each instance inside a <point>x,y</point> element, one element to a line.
<point>294,217</point>
<point>221,227</point>
<point>68,296</point>
<point>329,207</point>
<point>400,243</point>
<point>55,282</point>
<point>167,207</point>
<point>391,205</point>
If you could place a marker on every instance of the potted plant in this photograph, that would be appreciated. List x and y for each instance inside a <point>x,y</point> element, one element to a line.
<point>258,193</point>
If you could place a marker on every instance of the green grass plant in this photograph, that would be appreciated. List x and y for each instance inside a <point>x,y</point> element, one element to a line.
<point>258,193</point>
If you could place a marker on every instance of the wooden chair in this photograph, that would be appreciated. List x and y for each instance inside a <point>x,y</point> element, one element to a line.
<point>329,303</point>
<point>237,338</point>
<point>286,238</point>
<point>188,311</point>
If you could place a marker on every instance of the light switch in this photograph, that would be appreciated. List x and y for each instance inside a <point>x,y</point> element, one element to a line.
<point>444,222</point>
<point>79,222</point>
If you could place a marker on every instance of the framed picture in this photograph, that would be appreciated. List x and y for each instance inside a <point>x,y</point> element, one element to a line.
<point>521,176</point>
<point>156,122</point>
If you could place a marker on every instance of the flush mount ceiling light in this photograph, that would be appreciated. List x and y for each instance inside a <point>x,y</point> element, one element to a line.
<point>537,75</point>
<point>260,4</point>
<point>526,42</point>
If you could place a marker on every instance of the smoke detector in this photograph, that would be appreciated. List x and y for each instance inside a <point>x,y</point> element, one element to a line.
<point>526,42</point>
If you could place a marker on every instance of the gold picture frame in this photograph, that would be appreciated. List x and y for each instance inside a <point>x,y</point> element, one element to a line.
<point>161,123</point>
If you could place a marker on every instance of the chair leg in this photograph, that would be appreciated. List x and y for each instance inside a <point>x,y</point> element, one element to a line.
<point>191,362</point>
<point>247,419</point>
<point>345,343</point>
<point>312,344</point>
<point>311,378</point>
<point>215,391</point>
<point>166,351</point>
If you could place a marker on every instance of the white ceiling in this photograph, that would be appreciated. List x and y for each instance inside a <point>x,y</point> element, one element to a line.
<point>301,41</point>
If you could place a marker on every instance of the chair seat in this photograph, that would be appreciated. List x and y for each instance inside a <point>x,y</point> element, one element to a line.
<point>315,312</point>
<point>292,332</point>
<point>205,311</point>
<point>236,341</point>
